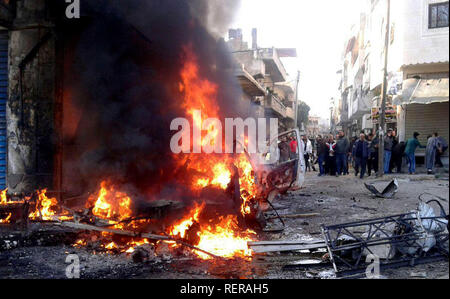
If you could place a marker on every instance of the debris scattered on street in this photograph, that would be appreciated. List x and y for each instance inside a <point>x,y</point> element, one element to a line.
<point>388,192</point>
<point>399,240</point>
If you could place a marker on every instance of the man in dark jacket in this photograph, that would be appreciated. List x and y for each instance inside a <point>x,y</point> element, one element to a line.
<point>372,160</point>
<point>395,142</point>
<point>360,154</point>
<point>397,155</point>
<point>342,146</point>
<point>330,164</point>
<point>322,154</point>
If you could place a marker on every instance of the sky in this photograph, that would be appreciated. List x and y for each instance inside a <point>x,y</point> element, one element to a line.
<point>317,29</point>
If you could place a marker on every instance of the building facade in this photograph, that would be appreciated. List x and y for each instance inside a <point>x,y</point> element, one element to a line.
<point>267,74</point>
<point>418,69</point>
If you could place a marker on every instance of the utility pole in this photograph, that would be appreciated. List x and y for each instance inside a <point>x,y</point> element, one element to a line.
<point>382,112</point>
<point>296,99</point>
<point>331,115</point>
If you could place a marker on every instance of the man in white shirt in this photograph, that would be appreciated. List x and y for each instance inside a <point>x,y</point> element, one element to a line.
<point>307,151</point>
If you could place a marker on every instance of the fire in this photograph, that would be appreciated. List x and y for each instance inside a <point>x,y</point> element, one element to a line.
<point>181,228</point>
<point>45,207</point>
<point>6,220</point>
<point>222,176</point>
<point>134,244</point>
<point>3,198</point>
<point>223,237</point>
<point>80,243</point>
<point>224,240</point>
<point>246,182</point>
<point>198,93</point>
<point>110,203</point>
<point>111,246</point>
<point>201,94</point>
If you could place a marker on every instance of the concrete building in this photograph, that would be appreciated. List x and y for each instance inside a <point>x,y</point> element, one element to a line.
<point>29,93</point>
<point>422,102</point>
<point>418,68</point>
<point>266,71</point>
<point>313,128</point>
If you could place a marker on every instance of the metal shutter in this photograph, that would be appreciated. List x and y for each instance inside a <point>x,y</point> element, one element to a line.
<point>427,119</point>
<point>4,37</point>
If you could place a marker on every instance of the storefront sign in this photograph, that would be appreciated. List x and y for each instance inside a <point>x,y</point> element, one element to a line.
<point>390,112</point>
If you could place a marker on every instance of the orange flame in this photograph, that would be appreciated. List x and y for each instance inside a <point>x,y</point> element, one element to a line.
<point>111,204</point>
<point>224,239</point>
<point>6,220</point>
<point>181,228</point>
<point>45,207</point>
<point>3,197</point>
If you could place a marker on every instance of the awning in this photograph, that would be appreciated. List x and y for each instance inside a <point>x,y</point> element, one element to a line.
<point>420,91</point>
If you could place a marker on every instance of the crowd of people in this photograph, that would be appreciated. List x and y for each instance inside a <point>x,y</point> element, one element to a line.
<point>334,154</point>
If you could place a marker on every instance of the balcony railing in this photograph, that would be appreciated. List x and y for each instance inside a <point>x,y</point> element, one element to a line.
<point>275,104</point>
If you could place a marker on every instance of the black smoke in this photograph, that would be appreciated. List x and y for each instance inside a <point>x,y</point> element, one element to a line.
<point>123,76</point>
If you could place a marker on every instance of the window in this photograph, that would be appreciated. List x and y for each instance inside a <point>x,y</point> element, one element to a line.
<point>438,15</point>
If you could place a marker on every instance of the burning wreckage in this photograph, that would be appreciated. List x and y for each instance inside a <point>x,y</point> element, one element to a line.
<point>227,196</point>
<point>210,206</point>
<point>225,216</point>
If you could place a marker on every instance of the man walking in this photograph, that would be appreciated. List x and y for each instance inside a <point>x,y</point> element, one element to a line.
<point>307,151</point>
<point>372,160</point>
<point>375,144</point>
<point>394,157</point>
<point>342,146</point>
<point>322,154</point>
<point>331,161</point>
<point>410,152</point>
<point>388,146</point>
<point>360,154</point>
<point>293,146</point>
<point>397,156</point>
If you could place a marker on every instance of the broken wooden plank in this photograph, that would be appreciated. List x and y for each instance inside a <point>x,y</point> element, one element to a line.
<point>287,247</point>
<point>285,242</point>
<point>133,234</point>
<point>83,226</point>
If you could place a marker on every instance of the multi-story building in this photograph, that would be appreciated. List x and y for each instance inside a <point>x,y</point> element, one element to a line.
<point>313,128</point>
<point>418,68</point>
<point>264,72</point>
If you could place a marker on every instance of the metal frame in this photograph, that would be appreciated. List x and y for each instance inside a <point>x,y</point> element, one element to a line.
<point>413,233</point>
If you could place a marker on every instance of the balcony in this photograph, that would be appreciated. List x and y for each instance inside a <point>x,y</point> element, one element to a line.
<point>360,105</point>
<point>273,103</point>
<point>290,113</point>
<point>274,66</point>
